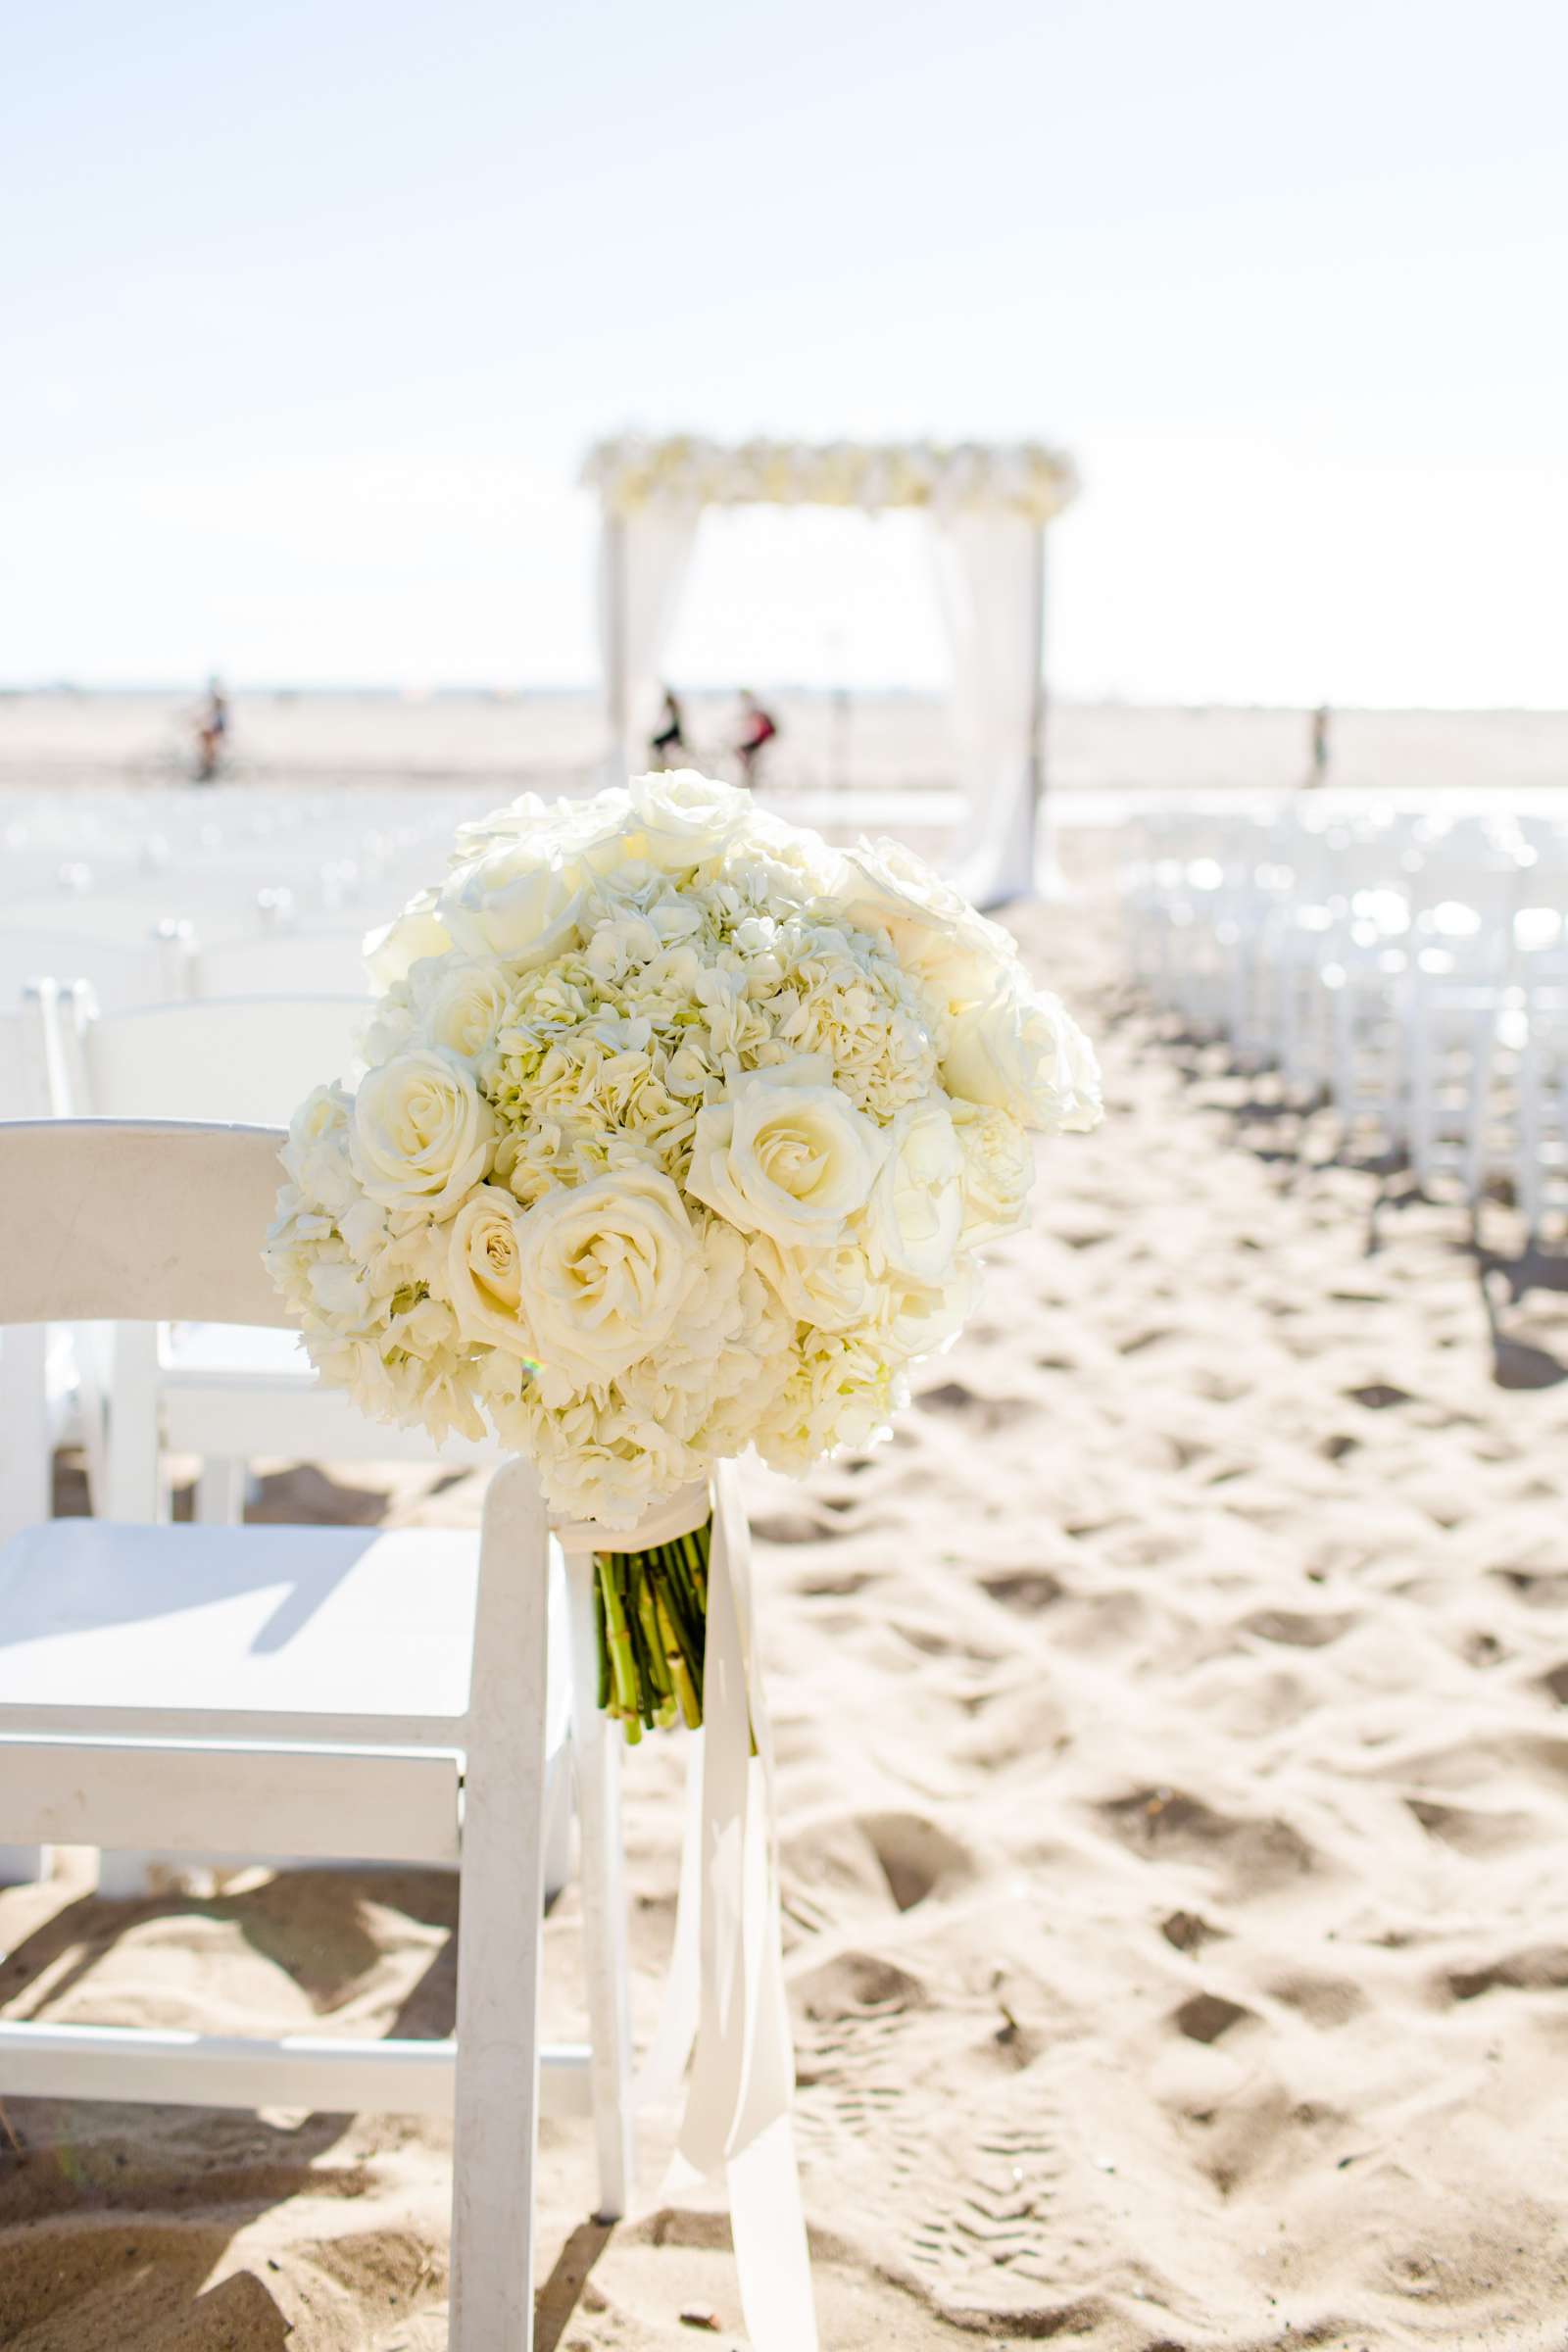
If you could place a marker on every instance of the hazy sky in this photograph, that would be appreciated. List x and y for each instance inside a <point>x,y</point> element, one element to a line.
<point>308,311</point>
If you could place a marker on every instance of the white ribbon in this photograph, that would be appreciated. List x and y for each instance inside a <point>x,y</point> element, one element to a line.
<point>725,2004</point>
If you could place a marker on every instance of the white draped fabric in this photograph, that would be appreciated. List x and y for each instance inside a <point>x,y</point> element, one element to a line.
<point>725,2025</point>
<point>989,571</point>
<point>644,559</point>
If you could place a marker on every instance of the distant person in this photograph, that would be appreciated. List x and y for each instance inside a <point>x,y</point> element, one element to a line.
<point>757,729</point>
<point>1319,773</point>
<point>668,745</point>
<point>212,732</point>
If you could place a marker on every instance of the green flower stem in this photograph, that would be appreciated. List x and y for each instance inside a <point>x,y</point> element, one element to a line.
<point>691,1705</point>
<point>622,1661</point>
<point>651,1610</point>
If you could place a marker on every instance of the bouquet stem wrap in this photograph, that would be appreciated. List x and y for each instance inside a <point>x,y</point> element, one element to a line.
<point>726,2016</point>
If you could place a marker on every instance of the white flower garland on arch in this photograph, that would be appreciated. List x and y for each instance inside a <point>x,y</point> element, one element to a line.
<point>633,471</point>
<point>989,506</point>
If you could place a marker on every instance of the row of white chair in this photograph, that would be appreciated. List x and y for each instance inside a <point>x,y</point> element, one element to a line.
<point>129,957</point>
<point>1415,971</point>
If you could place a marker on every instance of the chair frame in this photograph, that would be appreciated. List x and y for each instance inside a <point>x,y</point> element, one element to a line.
<point>469,1791</point>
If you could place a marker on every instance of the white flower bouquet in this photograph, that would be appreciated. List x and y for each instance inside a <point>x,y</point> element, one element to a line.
<point>679,1134</point>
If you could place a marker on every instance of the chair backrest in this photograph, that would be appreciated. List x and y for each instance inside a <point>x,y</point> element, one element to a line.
<point>313,962</point>
<point>129,1220</point>
<point>251,1059</point>
<point>24,1068</point>
<point>120,973</point>
<point>125,920</point>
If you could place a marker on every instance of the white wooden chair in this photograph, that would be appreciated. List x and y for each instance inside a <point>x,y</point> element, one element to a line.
<point>196,1390</point>
<point>303,961</point>
<point>235,1689</point>
<point>146,970</point>
<point>223,1394</point>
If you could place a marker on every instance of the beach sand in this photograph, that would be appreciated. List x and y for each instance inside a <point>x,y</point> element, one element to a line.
<point>1174,1787</point>
<point>495,744</point>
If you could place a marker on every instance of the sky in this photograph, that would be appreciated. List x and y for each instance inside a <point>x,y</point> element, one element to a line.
<point>307,313</point>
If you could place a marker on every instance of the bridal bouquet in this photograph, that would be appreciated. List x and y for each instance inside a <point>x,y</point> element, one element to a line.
<point>679,1133</point>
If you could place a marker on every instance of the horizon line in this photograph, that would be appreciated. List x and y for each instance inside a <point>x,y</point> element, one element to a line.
<point>68,689</point>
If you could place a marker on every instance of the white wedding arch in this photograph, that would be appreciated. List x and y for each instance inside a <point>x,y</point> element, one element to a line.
<point>989,508</point>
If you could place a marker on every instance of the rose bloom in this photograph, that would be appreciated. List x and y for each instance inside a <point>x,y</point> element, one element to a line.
<point>954,953</point>
<point>785,1153</point>
<point>829,1288</point>
<point>315,1155</point>
<point>519,901</point>
<point>912,1219</point>
<point>463,1004</point>
<point>916,1318</point>
<point>684,819</point>
<point>998,1168</point>
<point>1027,1055</point>
<point>604,1267</point>
<point>484,1272</point>
<point>391,953</point>
<point>423,1132</point>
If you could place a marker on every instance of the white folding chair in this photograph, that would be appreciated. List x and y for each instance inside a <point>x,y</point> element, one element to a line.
<point>206,1392</point>
<point>147,969</point>
<point>303,960</point>
<point>223,1394</point>
<point>1539,1168</point>
<point>231,1690</point>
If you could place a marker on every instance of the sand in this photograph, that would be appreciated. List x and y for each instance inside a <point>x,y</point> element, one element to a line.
<point>1174,1781</point>
<point>497,743</point>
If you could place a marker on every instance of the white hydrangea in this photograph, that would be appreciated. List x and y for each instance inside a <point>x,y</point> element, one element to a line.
<point>677,1133</point>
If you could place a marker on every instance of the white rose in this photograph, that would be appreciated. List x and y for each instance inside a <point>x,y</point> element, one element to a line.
<point>594,833</point>
<point>685,818</point>
<point>521,819</point>
<point>785,1153</point>
<point>1027,1055</point>
<point>830,1289</point>
<point>391,953</point>
<point>958,957</point>
<point>484,1272</point>
<point>730,1347</point>
<point>920,1318</point>
<point>424,1134</point>
<point>463,1004</point>
<point>796,863</point>
<point>912,1218</point>
<point>604,1267</point>
<point>317,1154</point>
<point>998,1168</point>
<point>519,900</point>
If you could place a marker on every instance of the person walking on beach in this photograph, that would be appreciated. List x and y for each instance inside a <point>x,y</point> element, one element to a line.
<point>758,728</point>
<point>671,740</point>
<point>1318,772</point>
<point>212,732</point>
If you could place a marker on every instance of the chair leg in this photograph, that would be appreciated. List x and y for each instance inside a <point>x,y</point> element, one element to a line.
<point>25,1865</point>
<point>499,1930</point>
<point>25,1458</point>
<point>124,1875</point>
<point>135,1484</point>
<point>558,1825</point>
<point>219,1497</point>
<point>597,1756</point>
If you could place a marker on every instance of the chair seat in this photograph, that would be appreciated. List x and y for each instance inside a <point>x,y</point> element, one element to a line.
<point>231,1388</point>
<point>282,1632</point>
<point>237,1351</point>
